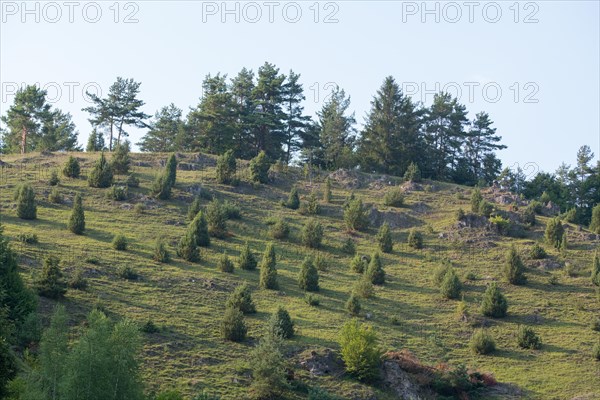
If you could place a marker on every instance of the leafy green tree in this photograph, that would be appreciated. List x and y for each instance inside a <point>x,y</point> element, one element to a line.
<point>308,279</point>
<point>166,132</point>
<point>355,216</point>
<point>451,286</point>
<point>514,268</point>
<point>51,283</point>
<point>77,218</point>
<point>95,142</point>
<point>384,238</point>
<point>226,167</point>
<point>32,124</point>
<point>71,168</point>
<point>391,138</point>
<point>360,350</point>
<point>247,259</point>
<point>216,217</point>
<point>259,168</point>
<point>494,303</point>
<point>161,254</point>
<point>26,204</point>
<point>595,223</point>
<point>293,201</point>
<point>241,298</point>
<point>269,369</point>
<point>353,305</point>
<point>200,229</point>
<point>554,232</point>
<point>121,160</point>
<point>312,234</point>
<point>233,327</point>
<point>281,324</point>
<point>596,269</point>
<point>121,108</point>
<point>103,363</point>
<point>101,175</point>
<point>268,270</point>
<point>374,271</point>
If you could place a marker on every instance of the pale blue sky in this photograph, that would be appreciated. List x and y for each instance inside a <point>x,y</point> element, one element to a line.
<point>174,44</point>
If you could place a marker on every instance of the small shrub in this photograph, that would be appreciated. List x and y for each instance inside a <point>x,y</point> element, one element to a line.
<point>293,201</point>
<point>121,160</point>
<point>595,221</point>
<point>77,218</point>
<point>312,234</point>
<point>268,270</point>
<point>359,263</point>
<point>374,271</point>
<point>476,199</point>
<point>460,214</point>
<point>188,247</point>
<point>321,263</point>
<point>55,196</point>
<point>226,167</point>
<point>486,208</point>
<point>349,247</point>
<point>353,305</point>
<point>199,229</point>
<point>308,278</point>
<point>529,215</point>
<point>216,217</point>
<point>225,264</point>
<point>451,286</point>
<point>269,370</point>
<point>241,299</point>
<point>78,280</point>
<point>413,173</point>
<point>161,254</point>
<point>231,210</point>
<point>132,181</point>
<point>233,327</point>
<point>482,342</point>
<point>360,350</point>
<point>26,204</point>
<point>280,229</point>
<point>528,339</point>
<point>384,238</point>
<point>53,181</point>
<point>119,242</point>
<point>149,327</point>
<point>537,252</point>
<point>554,232</point>
<point>501,224</point>
<point>415,239</point>
<point>553,280</point>
<point>139,209</point>
<point>312,206</point>
<point>28,238</point>
<point>101,175</point>
<point>247,260</point>
<point>514,268</point>
<point>127,272</point>
<point>281,324</point>
<point>440,273</point>
<point>259,168</point>
<point>71,169</point>
<point>117,193</point>
<point>363,288</point>
<point>311,299</point>
<point>355,216</point>
<point>596,351</point>
<point>394,198</point>
<point>194,208</point>
<point>51,283</point>
<point>316,393</point>
<point>494,303</point>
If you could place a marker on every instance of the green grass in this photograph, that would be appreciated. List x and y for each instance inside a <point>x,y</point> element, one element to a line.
<point>187,300</point>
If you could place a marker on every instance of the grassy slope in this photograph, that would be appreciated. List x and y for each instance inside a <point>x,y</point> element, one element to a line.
<point>187,300</point>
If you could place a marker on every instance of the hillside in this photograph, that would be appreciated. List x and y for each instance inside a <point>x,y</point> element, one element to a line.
<point>186,300</point>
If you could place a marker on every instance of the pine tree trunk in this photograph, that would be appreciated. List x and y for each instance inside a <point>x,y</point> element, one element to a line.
<point>24,140</point>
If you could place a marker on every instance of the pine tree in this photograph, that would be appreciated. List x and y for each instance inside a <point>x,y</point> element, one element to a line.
<point>164,182</point>
<point>216,218</point>
<point>595,222</point>
<point>312,234</point>
<point>415,239</point>
<point>171,170</point>
<point>101,175</point>
<point>225,264</point>
<point>494,303</point>
<point>293,201</point>
<point>413,173</point>
<point>514,269</point>
<point>360,350</point>
<point>188,248</point>
<point>384,237</point>
<point>161,254</point>
<point>554,232</point>
<point>167,132</point>
<point>241,299</point>
<point>95,142</point>
<point>51,283</point>
<point>353,305</point>
<point>308,279</point>
<point>226,167</point>
<point>54,180</point>
<point>327,192</point>
<point>26,204</point>
<point>476,199</point>
<point>359,264</point>
<point>268,270</point>
<point>71,168</point>
<point>194,208</point>
<point>355,216</point>
<point>247,259</point>
<point>269,372</point>
<point>233,327</point>
<point>259,168</point>
<point>281,324</point>
<point>199,228</point>
<point>596,270</point>
<point>375,272</point>
<point>121,160</point>
<point>77,218</point>
<point>451,286</point>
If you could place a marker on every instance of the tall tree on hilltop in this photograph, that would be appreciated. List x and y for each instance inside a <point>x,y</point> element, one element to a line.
<point>121,108</point>
<point>244,106</point>
<point>480,143</point>
<point>391,138</point>
<point>268,93</point>
<point>211,123</point>
<point>166,133</point>
<point>32,124</point>
<point>295,122</point>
